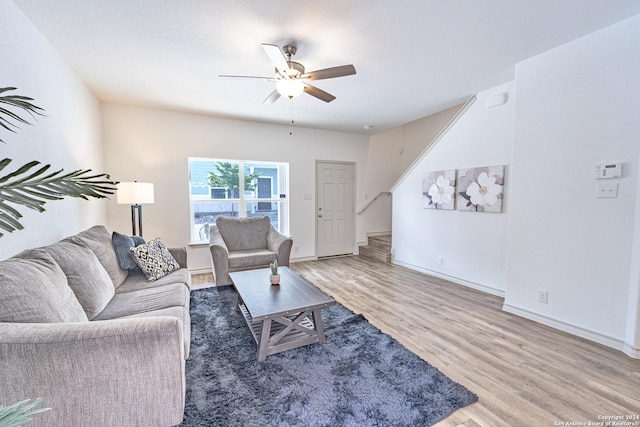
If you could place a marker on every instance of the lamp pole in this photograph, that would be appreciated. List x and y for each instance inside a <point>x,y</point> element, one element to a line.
<point>136,209</point>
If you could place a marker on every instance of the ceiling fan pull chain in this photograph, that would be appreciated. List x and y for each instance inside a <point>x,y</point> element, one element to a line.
<point>291,115</point>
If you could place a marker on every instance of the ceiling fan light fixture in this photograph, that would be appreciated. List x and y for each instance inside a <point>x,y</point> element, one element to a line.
<point>291,78</point>
<point>290,88</point>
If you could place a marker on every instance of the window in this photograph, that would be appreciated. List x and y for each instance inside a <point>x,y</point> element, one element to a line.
<point>215,190</point>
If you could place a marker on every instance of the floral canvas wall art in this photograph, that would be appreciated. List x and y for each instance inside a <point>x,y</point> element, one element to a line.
<point>438,190</point>
<point>480,189</point>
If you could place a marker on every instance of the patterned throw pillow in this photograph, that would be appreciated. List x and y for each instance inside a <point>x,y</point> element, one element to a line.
<point>154,259</point>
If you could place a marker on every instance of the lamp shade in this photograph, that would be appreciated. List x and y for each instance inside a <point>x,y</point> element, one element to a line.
<point>135,193</point>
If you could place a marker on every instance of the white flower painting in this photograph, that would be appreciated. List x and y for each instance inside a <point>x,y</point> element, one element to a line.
<point>480,189</point>
<point>438,190</point>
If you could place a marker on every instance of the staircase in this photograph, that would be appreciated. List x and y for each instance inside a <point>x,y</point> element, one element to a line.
<point>378,248</point>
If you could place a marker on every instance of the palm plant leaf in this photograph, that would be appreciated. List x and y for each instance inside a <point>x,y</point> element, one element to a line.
<point>19,413</point>
<point>10,120</point>
<point>32,185</point>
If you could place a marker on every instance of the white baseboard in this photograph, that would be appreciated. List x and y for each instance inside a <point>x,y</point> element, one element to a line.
<point>631,351</point>
<point>457,280</point>
<point>574,330</point>
<point>303,259</point>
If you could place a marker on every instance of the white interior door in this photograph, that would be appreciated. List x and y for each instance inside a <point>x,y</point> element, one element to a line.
<point>335,208</point>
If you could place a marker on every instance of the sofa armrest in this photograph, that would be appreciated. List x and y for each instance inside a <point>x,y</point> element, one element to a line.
<point>219,257</point>
<point>280,244</point>
<point>102,373</point>
<point>180,255</point>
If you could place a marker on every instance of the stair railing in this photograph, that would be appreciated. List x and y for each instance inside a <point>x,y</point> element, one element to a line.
<point>435,141</point>
<point>370,201</point>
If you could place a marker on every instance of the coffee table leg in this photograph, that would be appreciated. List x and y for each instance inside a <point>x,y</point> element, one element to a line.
<point>318,325</point>
<point>239,302</point>
<point>263,347</point>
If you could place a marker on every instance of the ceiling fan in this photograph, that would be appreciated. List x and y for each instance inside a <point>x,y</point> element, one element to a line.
<point>291,78</point>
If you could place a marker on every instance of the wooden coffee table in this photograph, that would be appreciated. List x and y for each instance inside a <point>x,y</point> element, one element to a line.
<point>280,317</point>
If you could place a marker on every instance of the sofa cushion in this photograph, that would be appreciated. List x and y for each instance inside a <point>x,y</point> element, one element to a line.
<point>87,278</point>
<point>33,289</point>
<point>146,300</point>
<point>137,280</point>
<point>121,244</point>
<point>255,258</point>
<point>244,233</point>
<point>98,239</point>
<point>154,259</point>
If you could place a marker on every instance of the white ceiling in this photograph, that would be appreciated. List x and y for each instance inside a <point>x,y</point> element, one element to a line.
<point>413,57</point>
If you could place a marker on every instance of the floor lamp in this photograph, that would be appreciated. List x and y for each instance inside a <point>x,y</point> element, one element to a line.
<point>135,194</point>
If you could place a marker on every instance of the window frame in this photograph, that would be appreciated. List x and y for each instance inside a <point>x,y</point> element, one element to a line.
<point>280,198</point>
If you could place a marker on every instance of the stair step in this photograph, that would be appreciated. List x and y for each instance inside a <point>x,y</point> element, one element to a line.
<point>375,254</point>
<point>380,242</point>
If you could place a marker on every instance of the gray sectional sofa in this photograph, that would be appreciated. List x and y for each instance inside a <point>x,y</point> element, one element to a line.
<point>238,244</point>
<point>101,345</point>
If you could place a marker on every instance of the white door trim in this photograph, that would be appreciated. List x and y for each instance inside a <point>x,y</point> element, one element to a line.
<point>352,235</point>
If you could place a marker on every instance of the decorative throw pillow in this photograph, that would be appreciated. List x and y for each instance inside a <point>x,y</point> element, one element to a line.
<point>154,259</point>
<point>121,244</point>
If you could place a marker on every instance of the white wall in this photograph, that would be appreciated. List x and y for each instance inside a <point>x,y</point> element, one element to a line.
<point>473,245</point>
<point>418,134</point>
<point>574,106</point>
<point>150,145</point>
<point>383,169</point>
<point>390,154</point>
<point>577,105</point>
<point>69,137</point>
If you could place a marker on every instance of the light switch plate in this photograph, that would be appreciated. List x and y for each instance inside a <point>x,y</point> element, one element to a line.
<point>607,190</point>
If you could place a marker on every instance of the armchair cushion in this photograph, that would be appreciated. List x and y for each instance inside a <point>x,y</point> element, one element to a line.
<point>241,234</point>
<point>251,258</point>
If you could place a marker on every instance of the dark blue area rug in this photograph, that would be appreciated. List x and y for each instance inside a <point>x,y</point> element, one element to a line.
<point>360,377</point>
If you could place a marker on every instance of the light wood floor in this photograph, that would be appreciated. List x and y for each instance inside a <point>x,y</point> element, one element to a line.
<point>524,373</point>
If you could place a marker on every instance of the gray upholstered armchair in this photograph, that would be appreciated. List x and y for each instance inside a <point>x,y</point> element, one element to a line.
<point>238,244</point>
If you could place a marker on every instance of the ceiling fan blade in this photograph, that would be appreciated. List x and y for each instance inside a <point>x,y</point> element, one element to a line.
<point>277,57</point>
<point>318,93</point>
<point>329,73</point>
<point>273,97</point>
<point>245,77</point>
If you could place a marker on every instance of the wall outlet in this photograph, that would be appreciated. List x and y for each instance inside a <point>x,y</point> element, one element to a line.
<point>440,260</point>
<point>543,296</point>
<point>296,249</point>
